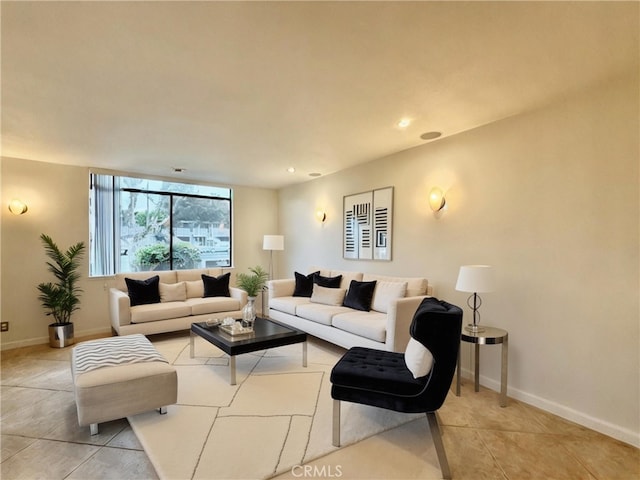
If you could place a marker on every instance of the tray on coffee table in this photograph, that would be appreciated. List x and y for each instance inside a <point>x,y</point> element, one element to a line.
<point>235,331</point>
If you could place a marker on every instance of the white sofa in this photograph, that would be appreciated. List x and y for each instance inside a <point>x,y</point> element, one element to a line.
<point>167,315</point>
<point>384,327</point>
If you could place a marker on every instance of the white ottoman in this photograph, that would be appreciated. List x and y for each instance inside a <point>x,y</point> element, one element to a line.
<point>120,376</point>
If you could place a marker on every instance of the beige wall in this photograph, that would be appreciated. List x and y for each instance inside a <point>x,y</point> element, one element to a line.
<point>57,197</point>
<point>550,199</point>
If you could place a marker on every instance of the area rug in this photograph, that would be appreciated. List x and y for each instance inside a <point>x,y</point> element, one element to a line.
<point>277,416</point>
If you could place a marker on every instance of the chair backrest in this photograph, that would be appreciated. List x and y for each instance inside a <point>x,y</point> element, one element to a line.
<point>437,325</point>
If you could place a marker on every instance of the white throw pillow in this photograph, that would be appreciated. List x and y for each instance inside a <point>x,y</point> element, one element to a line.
<point>385,292</point>
<point>327,296</point>
<point>418,358</point>
<point>173,292</point>
<point>195,289</point>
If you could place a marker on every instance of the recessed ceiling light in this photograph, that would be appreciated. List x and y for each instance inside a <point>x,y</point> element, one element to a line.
<point>315,174</point>
<point>430,135</point>
<point>291,170</point>
<point>404,123</point>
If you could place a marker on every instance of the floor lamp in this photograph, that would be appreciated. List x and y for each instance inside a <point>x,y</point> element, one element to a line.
<point>271,243</point>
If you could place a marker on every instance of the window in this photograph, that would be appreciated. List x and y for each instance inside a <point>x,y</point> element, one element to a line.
<point>139,224</point>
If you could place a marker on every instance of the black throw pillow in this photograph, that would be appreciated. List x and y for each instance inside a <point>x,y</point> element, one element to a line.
<point>327,282</point>
<point>143,292</point>
<point>360,295</point>
<point>216,286</point>
<point>304,284</point>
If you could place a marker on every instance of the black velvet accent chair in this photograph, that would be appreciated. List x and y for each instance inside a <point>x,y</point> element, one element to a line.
<point>382,379</point>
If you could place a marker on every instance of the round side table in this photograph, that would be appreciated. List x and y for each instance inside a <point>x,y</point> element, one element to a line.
<point>489,336</point>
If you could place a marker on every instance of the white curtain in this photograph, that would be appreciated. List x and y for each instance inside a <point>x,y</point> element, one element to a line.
<point>102,225</point>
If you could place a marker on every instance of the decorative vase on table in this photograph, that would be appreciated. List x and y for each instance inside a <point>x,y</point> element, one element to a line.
<point>249,313</point>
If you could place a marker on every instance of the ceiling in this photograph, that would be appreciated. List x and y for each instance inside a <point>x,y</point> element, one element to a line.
<point>237,92</point>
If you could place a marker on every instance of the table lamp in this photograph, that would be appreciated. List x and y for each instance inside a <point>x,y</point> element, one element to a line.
<point>475,279</point>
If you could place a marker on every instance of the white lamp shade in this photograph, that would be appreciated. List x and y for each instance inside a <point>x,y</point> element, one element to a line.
<point>476,279</point>
<point>273,242</point>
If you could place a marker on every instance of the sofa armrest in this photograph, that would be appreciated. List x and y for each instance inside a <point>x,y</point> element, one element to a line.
<point>240,294</point>
<point>281,288</point>
<point>119,308</point>
<point>399,317</point>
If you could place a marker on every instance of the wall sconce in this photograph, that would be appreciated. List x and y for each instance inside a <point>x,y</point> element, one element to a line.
<point>436,199</point>
<point>17,207</point>
<point>321,216</point>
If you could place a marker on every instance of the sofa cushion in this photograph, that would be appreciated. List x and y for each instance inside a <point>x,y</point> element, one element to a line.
<point>143,292</point>
<point>304,284</point>
<point>327,296</point>
<point>195,288</point>
<point>320,313</point>
<point>385,292</point>
<point>216,286</point>
<point>159,311</point>
<point>166,276</point>
<point>415,285</point>
<point>418,358</point>
<point>360,295</point>
<point>172,292</point>
<point>327,282</point>
<point>372,325</point>
<point>347,277</point>
<point>201,306</point>
<point>191,275</point>
<point>287,304</point>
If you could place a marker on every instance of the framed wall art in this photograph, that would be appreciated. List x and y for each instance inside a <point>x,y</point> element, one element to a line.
<point>367,225</point>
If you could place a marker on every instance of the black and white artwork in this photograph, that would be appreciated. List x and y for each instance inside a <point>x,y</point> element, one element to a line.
<point>367,225</point>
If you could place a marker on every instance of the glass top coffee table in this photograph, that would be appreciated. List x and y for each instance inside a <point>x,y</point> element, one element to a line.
<point>266,334</point>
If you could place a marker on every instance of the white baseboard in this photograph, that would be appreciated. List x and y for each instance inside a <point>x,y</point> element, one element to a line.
<point>30,342</point>
<point>615,431</point>
<point>24,343</point>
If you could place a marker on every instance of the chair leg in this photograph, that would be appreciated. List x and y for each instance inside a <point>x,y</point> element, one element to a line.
<point>439,423</point>
<point>437,441</point>
<point>336,423</point>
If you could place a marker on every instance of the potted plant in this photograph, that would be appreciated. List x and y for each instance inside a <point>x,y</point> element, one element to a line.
<point>62,297</point>
<point>252,284</point>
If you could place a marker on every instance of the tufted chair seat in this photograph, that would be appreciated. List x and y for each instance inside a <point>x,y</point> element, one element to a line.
<point>381,378</point>
<point>376,371</point>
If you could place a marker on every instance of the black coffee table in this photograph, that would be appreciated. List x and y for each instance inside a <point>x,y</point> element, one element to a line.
<point>266,334</point>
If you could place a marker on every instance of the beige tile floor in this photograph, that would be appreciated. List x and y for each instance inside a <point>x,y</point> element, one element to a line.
<point>41,438</point>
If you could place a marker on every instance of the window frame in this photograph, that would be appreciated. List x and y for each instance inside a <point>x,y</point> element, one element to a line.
<point>113,263</point>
